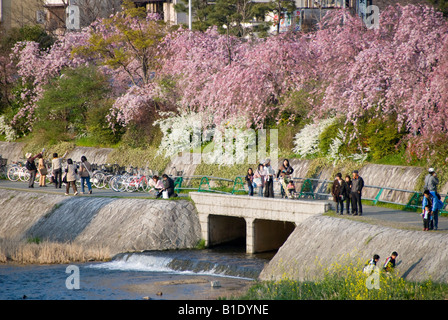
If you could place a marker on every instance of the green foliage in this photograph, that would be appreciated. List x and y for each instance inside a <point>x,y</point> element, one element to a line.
<point>35,240</point>
<point>69,103</point>
<point>27,33</point>
<point>327,136</point>
<point>382,136</point>
<point>99,131</point>
<point>442,5</point>
<point>125,38</point>
<point>200,245</point>
<point>201,11</point>
<point>230,16</point>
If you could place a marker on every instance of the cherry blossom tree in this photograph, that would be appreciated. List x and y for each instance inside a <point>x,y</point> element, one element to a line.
<point>36,67</point>
<point>389,71</point>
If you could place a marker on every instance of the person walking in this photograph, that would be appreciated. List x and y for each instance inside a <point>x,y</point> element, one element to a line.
<point>71,172</point>
<point>348,182</point>
<point>339,192</point>
<point>356,192</point>
<point>269,174</point>
<point>283,174</point>
<point>31,167</point>
<point>56,167</point>
<point>42,168</point>
<point>84,172</point>
<point>250,181</point>
<point>259,179</point>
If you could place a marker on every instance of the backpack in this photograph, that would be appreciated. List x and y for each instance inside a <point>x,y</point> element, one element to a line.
<point>28,165</point>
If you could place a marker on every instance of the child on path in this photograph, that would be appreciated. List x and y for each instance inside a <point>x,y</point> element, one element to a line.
<point>291,189</point>
<point>426,215</point>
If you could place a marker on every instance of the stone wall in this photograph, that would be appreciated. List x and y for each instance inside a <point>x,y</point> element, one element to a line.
<point>325,240</point>
<point>120,224</point>
<point>12,151</point>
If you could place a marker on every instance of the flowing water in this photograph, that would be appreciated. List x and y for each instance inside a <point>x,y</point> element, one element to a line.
<point>171,275</point>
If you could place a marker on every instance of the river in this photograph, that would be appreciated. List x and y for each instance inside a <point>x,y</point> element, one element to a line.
<point>155,275</point>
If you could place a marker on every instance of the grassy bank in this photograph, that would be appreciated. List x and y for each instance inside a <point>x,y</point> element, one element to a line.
<point>347,282</point>
<point>35,251</point>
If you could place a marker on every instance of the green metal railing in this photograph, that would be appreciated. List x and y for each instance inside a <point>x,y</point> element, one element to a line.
<point>414,202</point>
<point>308,189</point>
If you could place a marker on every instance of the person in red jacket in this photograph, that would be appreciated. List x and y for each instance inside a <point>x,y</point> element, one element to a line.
<point>389,265</point>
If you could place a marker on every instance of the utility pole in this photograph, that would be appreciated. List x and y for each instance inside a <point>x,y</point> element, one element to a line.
<point>189,14</point>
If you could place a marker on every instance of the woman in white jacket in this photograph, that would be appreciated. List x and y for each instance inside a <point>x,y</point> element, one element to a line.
<point>71,172</point>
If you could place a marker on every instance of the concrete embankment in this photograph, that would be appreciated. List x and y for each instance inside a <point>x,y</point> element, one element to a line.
<point>119,224</point>
<point>321,241</point>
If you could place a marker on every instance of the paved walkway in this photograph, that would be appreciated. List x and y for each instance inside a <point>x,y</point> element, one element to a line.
<point>371,214</point>
<point>396,218</point>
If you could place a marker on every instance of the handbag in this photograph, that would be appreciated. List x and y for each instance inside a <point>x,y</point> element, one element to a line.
<point>82,163</point>
<point>165,194</point>
<point>64,178</point>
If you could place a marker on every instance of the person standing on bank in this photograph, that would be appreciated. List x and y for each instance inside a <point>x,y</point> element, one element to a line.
<point>283,174</point>
<point>56,167</point>
<point>84,172</point>
<point>71,171</point>
<point>42,171</point>
<point>259,179</point>
<point>269,174</point>
<point>357,185</point>
<point>250,181</point>
<point>31,167</point>
<point>348,182</point>
<point>339,192</point>
<point>431,199</point>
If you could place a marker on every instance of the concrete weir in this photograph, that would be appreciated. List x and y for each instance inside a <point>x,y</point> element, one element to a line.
<point>119,224</point>
<point>264,223</point>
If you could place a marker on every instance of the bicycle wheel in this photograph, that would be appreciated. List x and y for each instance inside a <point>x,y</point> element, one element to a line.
<point>98,180</point>
<point>13,174</point>
<point>112,183</point>
<point>24,175</point>
<point>106,181</point>
<point>117,184</point>
<point>144,185</point>
<point>131,184</point>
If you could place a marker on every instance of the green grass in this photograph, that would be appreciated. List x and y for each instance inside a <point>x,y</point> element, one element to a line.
<point>94,143</point>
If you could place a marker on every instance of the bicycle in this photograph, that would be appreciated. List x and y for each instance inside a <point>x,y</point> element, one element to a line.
<point>135,183</point>
<point>17,172</point>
